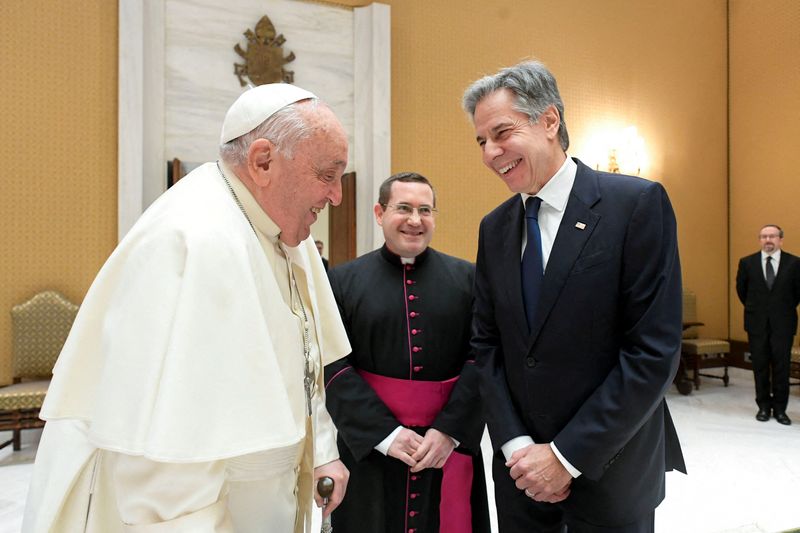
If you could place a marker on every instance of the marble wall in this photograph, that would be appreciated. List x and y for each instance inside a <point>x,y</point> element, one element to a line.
<point>200,83</point>
<point>177,81</point>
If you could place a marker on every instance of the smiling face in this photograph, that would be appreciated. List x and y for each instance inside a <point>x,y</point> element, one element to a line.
<point>300,186</point>
<point>524,155</point>
<point>407,235</point>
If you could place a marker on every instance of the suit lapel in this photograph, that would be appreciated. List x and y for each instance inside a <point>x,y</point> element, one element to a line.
<point>512,256</point>
<point>783,268</point>
<point>576,228</point>
<point>758,270</point>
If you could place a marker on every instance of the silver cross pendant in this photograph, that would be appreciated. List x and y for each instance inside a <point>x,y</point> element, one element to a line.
<point>308,382</point>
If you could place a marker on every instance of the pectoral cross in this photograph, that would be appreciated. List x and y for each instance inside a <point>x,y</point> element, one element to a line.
<point>308,367</point>
<point>308,364</point>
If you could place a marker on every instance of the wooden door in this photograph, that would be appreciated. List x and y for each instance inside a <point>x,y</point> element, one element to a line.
<point>342,224</point>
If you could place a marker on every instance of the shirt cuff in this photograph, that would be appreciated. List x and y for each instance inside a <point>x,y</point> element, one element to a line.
<point>574,472</point>
<point>383,446</point>
<point>515,444</point>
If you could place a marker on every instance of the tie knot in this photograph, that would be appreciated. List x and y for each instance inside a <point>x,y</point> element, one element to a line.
<point>769,259</point>
<point>532,207</point>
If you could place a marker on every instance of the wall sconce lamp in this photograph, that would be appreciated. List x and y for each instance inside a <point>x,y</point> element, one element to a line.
<point>625,152</point>
<point>613,166</point>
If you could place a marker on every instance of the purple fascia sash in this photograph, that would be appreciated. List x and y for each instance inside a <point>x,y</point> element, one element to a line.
<point>416,403</point>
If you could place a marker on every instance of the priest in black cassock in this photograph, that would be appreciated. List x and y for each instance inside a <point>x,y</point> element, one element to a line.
<point>406,400</point>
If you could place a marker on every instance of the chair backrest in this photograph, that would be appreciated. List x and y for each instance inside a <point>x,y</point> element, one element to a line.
<point>690,314</point>
<point>40,327</point>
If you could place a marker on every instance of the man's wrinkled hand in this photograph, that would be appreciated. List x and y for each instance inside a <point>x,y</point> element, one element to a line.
<point>536,470</point>
<point>404,446</point>
<point>339,474</point>
<point>436,447</point>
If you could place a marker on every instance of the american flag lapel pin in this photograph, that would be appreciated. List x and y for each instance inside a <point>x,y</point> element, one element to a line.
<point>580,225</point>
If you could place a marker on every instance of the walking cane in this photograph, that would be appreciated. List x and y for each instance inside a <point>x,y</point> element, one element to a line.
<point>325,489</point>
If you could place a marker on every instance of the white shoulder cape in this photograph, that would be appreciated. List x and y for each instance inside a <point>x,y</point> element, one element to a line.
<point>173,354</point>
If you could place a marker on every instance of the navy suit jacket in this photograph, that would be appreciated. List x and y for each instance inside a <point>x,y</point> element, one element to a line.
<point>604,347</point>
<point>769,310</point>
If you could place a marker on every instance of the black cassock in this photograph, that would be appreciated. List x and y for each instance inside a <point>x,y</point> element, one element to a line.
<point>409,322</point>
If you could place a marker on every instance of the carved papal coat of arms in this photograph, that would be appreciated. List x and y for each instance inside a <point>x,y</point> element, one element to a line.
<point>263,58</point>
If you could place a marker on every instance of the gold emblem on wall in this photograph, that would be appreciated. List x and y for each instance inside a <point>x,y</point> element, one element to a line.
<point>263,58</point>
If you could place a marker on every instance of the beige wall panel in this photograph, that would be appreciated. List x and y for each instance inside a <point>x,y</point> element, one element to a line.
<point>660,66</point>
<point>58,145</point>
<point>765,128</point>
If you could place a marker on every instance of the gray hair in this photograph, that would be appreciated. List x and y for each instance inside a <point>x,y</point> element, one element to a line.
<point>285,129</point>
<point>534,86</point>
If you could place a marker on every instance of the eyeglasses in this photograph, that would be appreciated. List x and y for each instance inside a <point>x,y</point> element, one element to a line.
<point>765,237</point>
<point>423,211</point>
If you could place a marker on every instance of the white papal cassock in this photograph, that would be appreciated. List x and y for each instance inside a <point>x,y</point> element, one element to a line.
<point>177,403</point>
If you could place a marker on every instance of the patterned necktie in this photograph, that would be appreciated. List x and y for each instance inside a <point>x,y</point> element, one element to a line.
<point>770,273</point>
<point>532,262</point>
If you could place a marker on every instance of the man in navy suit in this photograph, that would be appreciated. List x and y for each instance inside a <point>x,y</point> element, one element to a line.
<point>768,284</point>
<point>573,373</point>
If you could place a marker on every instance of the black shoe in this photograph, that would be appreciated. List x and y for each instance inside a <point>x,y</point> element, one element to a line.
<point>763,415</point>
<point>783,419</point>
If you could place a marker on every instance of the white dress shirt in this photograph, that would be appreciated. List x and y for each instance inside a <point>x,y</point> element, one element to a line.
<point>554,195</point>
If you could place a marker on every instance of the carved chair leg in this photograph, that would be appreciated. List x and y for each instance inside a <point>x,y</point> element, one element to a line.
<point>696,366</point>
<point>17,440</point>
<point>725,377</point>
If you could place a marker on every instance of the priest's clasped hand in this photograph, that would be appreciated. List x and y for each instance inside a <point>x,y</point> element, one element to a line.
<point>536,470</point>
<point>436,447</point>
<point>404,445</point>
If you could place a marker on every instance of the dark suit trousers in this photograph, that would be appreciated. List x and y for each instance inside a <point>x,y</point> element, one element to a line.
<point>771,354</point>
<point>516,513</point>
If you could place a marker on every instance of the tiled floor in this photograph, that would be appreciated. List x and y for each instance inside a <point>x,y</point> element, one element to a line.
<point>14,479</point>
<point>744,475</point>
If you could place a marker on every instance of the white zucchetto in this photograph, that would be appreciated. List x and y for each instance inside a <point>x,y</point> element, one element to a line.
<point>256,105</point>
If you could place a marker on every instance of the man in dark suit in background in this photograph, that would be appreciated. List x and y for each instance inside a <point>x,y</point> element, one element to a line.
<point>577,347</point>
<point>320,248</point>
<point>768,284</point>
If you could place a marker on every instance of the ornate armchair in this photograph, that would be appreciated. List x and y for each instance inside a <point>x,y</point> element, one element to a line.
<point>40,327</point>
<point>698,352</point>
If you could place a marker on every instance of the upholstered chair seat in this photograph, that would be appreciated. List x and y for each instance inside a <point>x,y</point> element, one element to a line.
<point>27,395</point>
<point>705,347</point>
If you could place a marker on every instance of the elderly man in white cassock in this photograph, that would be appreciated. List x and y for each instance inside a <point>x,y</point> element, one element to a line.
<point>188,396</point>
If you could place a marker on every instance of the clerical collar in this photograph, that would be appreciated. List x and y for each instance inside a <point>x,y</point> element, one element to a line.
<point>257,216</point>
<point>395,259</point>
